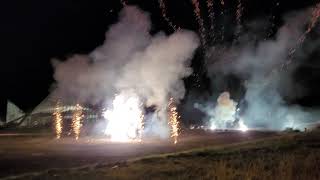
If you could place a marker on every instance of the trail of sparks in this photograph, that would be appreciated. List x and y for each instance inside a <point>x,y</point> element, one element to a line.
<point>211,16</point>
<point>77,121</point>
<point>272,19</point>
<point>58,121</point>
<point>197,13</point>
<point>173,121</point>
<point>164,15</point>
<point>314,19</point>
<point>222,13</point>
<point>239,13</point>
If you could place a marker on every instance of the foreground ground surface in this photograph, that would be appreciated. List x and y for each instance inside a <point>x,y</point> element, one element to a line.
<point>232,155</point>
<point>27,155</point>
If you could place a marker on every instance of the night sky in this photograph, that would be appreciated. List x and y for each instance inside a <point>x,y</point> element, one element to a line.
<point>33,32</point>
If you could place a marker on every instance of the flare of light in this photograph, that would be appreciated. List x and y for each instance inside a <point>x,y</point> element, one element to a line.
<point>173,120</point>
<point>242,126</point>
<point>125,119</point>
<point>77,121</point>
<point>58,121</point>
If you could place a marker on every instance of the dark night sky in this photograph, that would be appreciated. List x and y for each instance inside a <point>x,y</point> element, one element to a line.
<point>33,32</point>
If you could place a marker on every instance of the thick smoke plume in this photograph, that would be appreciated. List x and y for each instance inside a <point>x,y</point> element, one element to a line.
<point>258,66</point>
<point>130,60</point>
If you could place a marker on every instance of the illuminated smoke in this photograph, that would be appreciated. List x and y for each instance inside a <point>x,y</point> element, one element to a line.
<point>224,112</point>
<point>224,115</point>
<point>164,15</point>
<point>77,121</point>
<point>173,120</point>
<point>58,121</point>
<point>124,118</point>
<point>130,60</point>
<point>263,92</point>
<point>199,19</point>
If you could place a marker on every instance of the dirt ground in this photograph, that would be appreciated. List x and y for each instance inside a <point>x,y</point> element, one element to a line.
<point>26,153</point>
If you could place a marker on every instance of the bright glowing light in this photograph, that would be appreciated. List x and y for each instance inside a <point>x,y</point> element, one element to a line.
<point>77,121</point>
<point>125,119</point>
<point>242,126</point>
<point>58,121</point>
<point>173,121</point>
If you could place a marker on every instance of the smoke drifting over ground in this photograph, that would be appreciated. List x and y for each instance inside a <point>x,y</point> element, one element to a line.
<point>258,66</point>
<point>130,60</point>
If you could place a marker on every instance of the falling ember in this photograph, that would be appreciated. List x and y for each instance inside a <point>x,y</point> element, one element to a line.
<point>200,21</point>
<point>238,17</point>
<point>222,2</point>
<point>173,120</point>
<point>314,19</point>
<point>58,121</point>
<point>124,119</point>
<point>211,15</point>
<point>77,121</point>
<point>164,15</point>
<point>222,13</point>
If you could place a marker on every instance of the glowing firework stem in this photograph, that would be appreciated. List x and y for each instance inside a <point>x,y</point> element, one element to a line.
<point>211,15</point>
<point>173,121</point>
<point>58,121</point>
<point>77,121</point>
<point>314,19</point>
<point>200,21</point>
<point>238,17</point>
<point>164,15</point>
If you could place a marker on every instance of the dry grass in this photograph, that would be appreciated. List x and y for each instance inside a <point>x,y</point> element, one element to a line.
<point>285,158</point>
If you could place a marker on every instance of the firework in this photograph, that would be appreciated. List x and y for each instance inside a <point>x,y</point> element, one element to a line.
<point>314,19</point>
<point>125,119</point>
<point>197,13</point>
<point>77,121</point>
<point>238,17</point>
<point>164,15</point>
<point>58,121</point>
<point>173,120</point>
<point>211,15</point>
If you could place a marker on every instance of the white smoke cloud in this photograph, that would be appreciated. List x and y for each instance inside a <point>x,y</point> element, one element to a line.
<point>258,64</point>
<point>130,59</point>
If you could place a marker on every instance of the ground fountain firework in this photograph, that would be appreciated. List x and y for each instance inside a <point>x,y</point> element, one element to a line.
<point>58,121</point>
<point>173,120</point>
<point>124,119</point>
<point>77,121</point>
